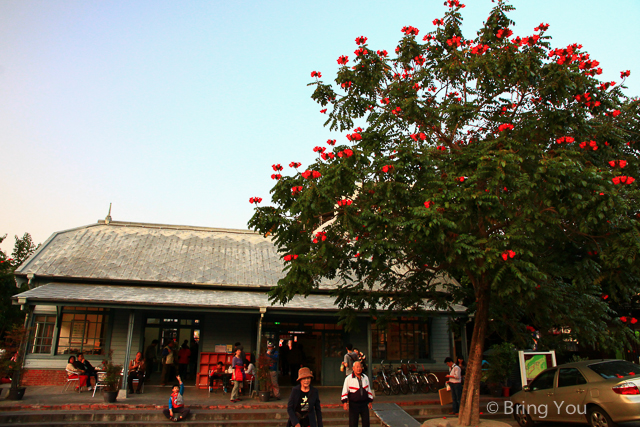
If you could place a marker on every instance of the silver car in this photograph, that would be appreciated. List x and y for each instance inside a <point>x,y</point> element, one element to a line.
<point>600,392</point>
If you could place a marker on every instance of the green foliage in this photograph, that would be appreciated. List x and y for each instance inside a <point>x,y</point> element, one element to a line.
<point>263,372</point>
<point>10,314</point>
<point>483,160</point>
<point>112,373</point>
<point>12,355</point>
<point>502,359</point>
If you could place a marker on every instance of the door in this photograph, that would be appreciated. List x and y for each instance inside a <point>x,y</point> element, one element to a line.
<point>333,352</point>
<point>538,401</point>
<point>569,396</point>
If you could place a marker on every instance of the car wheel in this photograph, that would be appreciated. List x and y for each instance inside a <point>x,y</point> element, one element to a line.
<point>598,417</point>
<point>522,418</point>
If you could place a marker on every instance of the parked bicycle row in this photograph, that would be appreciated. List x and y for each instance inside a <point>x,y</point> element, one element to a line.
<point>404,378</point>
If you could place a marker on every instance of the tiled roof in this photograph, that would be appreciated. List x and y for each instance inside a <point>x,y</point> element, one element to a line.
<point>171,297</point>
<point>158,253</point>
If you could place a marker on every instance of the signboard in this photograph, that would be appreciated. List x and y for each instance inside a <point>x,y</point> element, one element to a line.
<point>534,362</point>
<point>220,348</point>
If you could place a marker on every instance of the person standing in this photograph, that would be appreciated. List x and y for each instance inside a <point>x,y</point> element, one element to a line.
<point>455,382</point>
<point>304,403</point>
<point>237,367</point>
<point>150,357</point>
<point>184,354</point>
<point>168,359</point>
<point>357,397</point>
<point>137,368</point>
<point>176,410</point>
<point>272,354</point>
<point>349,359</point>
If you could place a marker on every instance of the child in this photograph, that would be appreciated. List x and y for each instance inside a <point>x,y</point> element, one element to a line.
<point>176,411</point>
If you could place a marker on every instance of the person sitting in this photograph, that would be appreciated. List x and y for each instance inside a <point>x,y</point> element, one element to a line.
<point>76,372</point>
<point>89,370</point>
<point>176,410</point>
<point>137,368</point>
<point>249,370</point>
<point>219,374</point>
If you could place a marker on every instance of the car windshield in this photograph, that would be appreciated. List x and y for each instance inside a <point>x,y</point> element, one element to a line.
<point>615,369</point>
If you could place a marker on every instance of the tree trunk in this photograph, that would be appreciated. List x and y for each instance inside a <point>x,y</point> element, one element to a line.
<point>470,402</point>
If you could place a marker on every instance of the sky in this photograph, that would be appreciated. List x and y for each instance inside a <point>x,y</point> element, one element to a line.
<point>174,111</point>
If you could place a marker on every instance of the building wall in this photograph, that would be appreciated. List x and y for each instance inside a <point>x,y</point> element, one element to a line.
<point>440,343</point>
<point>228,328</point>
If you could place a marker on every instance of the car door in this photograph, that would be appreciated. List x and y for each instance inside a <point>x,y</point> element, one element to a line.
<point>539,398</point>
<point>569,396</point>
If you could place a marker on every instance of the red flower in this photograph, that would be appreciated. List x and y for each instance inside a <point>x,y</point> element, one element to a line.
<point>255,200</point>
<point>343,60</point>
<point>622,163</point>
<point>531,329</point>
<point>624,74</point>
<point>438,22</point>
<point>505,256</point>
<point>346,85</point>
<point>320,235</point>
<point>384,101</point>
<point>348,152</point>
<point>541,27</point>
<point>324,110</point>
<point>565,139</point>
<point>316,174</point>
<point>633,321</point>
<point>616,180</point>
<point>511,253</point>
<point>503,32</point>
<point>387,168</point>
<point>605,296</point>
<point>383,53</point>
<point>615,113</point>
<point>428,204</point>
<point>296,190</point>
<point>461,179</point>
<point>277,167</point>
<point>344,202</point>
<point>624,319</point>
<point>276,176</point>
<point>331,141</point>
<point>316,74</point>
<point>416,86</point>
<point>505,126</point>
<point>409,30</point>
<point>295,165</point>
<point>361,40</point>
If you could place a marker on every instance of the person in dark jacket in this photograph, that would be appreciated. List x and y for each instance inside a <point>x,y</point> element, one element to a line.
<point>304,403</point>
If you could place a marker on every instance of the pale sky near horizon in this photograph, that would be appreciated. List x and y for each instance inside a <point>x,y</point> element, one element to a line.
<point>174,111</point>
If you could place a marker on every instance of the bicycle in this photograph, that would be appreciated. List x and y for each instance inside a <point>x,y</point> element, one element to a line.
<point>381,382</point>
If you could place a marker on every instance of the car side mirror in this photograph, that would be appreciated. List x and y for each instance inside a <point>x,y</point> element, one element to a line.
<point>526,388</point>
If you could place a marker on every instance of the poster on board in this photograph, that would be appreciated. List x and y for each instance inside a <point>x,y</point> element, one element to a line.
<point>534,362</point>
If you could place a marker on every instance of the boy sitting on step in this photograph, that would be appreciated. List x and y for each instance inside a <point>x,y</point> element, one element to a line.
<point>176,411</point>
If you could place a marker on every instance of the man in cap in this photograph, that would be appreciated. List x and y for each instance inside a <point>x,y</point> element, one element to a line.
<point>272,354</point>
<point>357,397</point>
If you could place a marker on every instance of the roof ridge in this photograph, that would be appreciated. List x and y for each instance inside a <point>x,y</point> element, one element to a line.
<point>174,227</point>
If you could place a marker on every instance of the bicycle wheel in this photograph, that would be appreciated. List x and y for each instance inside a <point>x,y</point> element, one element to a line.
<point>433,382</point>
<point>394,385</point>
<point>404,385</point>
<point>424,384</point>
<point>386,388</point>
<point>413,384</point>
<point>376,385</point>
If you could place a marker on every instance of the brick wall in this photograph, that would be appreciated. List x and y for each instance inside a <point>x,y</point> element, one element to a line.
<point>44,377</point>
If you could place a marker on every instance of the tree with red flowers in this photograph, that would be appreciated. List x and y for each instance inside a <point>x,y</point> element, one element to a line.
<point>499,161</point>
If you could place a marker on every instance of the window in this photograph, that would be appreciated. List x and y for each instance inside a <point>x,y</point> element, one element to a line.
<point>570,376</point>
<point>615,369</point>
<point>543,381</point>
<point>42,335</point>
<point>408,338</point>
<point>82,330</point>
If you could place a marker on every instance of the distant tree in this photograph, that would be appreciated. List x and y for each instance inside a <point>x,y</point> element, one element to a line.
<point>499,161</point>
<point>10,314</point>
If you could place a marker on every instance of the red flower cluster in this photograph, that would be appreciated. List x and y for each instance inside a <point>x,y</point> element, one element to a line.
<point>354,137</point>
<point>382,53</point>
<point>454,3</point>
<point>438,22</point>
<point>409,30</point>
<point>311,174</point>
<point>419,60</point>
<point>623,180</point>
<point>479,49</point>
<point>290,257</point>
<point>633,320</point>
<point>620,163</point>
<point>421,135</point>
<point>346,153</point>
<point>295,165</point>
<point>346,85</point>
<point>327,156</point>
<point>361,40</point>
<point>387,168</point>
<point>344,202</point>
<point>454,41</point>
<point>396,111</point>
<point>319,149</point>
<point>592,253</point>
<point>277,167</point>
<point>428,204</point>
<point>565,139</point>
<point>587,100</point>
<point>441,148</point>
<point>503,32</point>
<point>615,113</point>
<point>526,41</point>
<point>624,74</point>
<point>606,85</point>
<point>343,60</point>
<point>531,329</point>
<point>384,101</point>
<point>508,254</point>
<point>428,37</point>
<point>361,51</point>
<point>317,74</point>
<point>255,200</point>
<point>541,27</point>
<point>505,126</point>
<point>591,144</point>
<point>296,190</point>
<point>276,176</point>
<point>323,111</point>
<point>416,87</point>
<point>461,179</point>
<point>320,235</point>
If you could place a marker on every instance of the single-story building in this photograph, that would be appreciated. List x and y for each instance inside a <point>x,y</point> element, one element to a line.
<point>116,286</point>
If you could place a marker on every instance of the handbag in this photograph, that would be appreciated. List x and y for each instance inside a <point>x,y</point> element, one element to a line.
<point>238,374</point>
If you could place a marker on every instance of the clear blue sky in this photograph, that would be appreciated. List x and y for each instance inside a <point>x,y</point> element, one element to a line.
<point>176,110</point>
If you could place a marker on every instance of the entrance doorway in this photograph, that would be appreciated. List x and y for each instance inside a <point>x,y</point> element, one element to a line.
<point>173,329</point>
